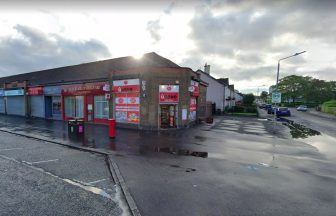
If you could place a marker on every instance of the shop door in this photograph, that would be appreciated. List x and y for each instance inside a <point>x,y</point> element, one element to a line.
<point>56,107</point>
<point>168,116</point>
<point>15,105</point>
<point>48,106</point>
<point>37,107</point>
<point>2,105</point>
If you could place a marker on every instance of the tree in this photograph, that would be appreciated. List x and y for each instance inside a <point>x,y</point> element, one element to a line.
<point>248,99</point>
<point>264,95</point>
<point>308,89</point>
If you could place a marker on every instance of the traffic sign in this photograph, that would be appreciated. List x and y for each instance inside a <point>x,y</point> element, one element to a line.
<point>276,97</point>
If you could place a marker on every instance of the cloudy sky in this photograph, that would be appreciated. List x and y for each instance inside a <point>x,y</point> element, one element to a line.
<point>240,39</point>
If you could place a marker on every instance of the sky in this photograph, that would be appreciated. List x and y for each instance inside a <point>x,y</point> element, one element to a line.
<point>241,40</point>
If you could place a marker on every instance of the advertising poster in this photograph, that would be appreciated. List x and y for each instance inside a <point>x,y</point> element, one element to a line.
<point>194,88</point>
<point>193,107</point>
<point>127,100</point>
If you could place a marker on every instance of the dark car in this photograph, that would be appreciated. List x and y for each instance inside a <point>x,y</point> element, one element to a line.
<point>268,108</point>
<point>283,111</point>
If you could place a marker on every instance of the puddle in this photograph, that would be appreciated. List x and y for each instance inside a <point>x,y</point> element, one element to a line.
<point>299,131</point>
<point>325,144</point>
<point>183,152</point>
<point>200,138</point>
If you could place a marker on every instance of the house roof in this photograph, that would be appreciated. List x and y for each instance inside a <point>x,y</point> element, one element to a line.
<point>89,71</point>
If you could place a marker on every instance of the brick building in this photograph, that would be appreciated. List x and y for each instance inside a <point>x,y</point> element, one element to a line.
<point>150,93</point>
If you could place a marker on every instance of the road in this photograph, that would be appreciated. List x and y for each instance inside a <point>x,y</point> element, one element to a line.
<point>236,166</point>
<point>322,124</point>
<point>248,171</point>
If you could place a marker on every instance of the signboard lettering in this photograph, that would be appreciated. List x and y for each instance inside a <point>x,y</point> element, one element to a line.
<point>35,91</point>
<point>16,92</point>
<point>169,94</point>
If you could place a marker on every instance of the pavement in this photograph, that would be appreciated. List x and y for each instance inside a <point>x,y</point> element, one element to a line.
<point>236,166</point>
<point>41,178</point>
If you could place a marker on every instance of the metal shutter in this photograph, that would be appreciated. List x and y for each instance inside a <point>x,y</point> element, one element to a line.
<point>37,106</point>
<point>2,105</point>
<point>15,105</point>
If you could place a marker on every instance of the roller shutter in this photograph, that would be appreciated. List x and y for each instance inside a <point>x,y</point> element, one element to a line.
<point>2,105</point>
<point>37,107</point>
<point>15,105</point>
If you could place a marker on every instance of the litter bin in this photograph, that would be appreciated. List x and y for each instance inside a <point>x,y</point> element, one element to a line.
<point>76,128</point>
<point>112,124</point>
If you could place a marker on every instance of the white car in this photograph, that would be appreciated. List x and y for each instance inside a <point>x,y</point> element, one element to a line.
<point>302,108</point>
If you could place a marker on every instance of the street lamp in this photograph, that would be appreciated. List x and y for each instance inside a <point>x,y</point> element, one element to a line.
<point>277,80</point>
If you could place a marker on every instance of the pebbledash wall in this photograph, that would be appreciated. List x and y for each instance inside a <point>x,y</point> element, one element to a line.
<point>143,97</point>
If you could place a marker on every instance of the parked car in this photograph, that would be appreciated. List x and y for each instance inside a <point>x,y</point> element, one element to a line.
<point>282,111</point>
<point>270,109</point>
<point>302,108</point>
<point>267,106</point>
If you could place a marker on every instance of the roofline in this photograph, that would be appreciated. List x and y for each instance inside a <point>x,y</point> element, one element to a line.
<point>210,76</point>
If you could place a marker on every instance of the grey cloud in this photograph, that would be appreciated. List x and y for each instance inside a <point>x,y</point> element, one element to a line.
<point>238,30</point>
<point>35,50</point>
<point>153,27</point>
<point>170,7</point>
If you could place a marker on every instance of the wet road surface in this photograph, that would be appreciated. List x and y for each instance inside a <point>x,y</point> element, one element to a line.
<point>39,178</point>
<point>237,166</point>
<point>248,171</point>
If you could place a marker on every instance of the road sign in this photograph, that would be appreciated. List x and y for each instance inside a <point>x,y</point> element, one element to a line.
<point>276,97</point>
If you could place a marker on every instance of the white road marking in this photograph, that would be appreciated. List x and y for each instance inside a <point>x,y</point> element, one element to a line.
<point>38,162</point>
<point>9,149</point>
<point>94,182</point>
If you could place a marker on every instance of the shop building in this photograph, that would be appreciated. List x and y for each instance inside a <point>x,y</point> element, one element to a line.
<point>150,93</point>
<point>156,98</point>
<point>87,101</point>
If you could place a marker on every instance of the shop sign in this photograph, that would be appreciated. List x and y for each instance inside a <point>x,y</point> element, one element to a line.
<point>35,91</point>
<point>129,85</point>
<point>15,85</point>
<point>127,107</point>
<point>169,94</point>
<point>194,88</point>
<point>83,89</point>
<point>192,108</point>
<point>16,92</point>
<point>52,90</point>
<point>106,87</point>
<point>2,93</point>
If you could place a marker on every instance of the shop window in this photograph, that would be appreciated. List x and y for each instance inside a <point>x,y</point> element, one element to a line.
<point>73,106</point>
<point>101,108</point>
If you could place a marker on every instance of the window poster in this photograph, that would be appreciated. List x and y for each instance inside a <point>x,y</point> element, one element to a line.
<point>127,100</point>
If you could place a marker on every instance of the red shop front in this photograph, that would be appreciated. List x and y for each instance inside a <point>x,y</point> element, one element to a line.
<point>88,102</point>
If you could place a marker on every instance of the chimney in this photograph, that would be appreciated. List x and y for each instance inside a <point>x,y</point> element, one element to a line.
<point>207,68</point>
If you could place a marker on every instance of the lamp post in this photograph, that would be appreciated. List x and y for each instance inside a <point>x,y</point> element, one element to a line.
<point>277,81</point>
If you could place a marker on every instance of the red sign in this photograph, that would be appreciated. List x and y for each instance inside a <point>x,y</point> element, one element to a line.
<point>169,97</point>
<point>169,94</point>
<point>195,88</point>
<point>84,89</point>
<point>35,91</point>
<point>130,85</point>
<point>193,104</point>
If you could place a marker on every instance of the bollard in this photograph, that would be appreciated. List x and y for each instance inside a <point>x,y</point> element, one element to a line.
<point>112,125</point>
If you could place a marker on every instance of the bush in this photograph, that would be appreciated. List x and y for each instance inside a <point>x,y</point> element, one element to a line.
<point>329,107</point>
